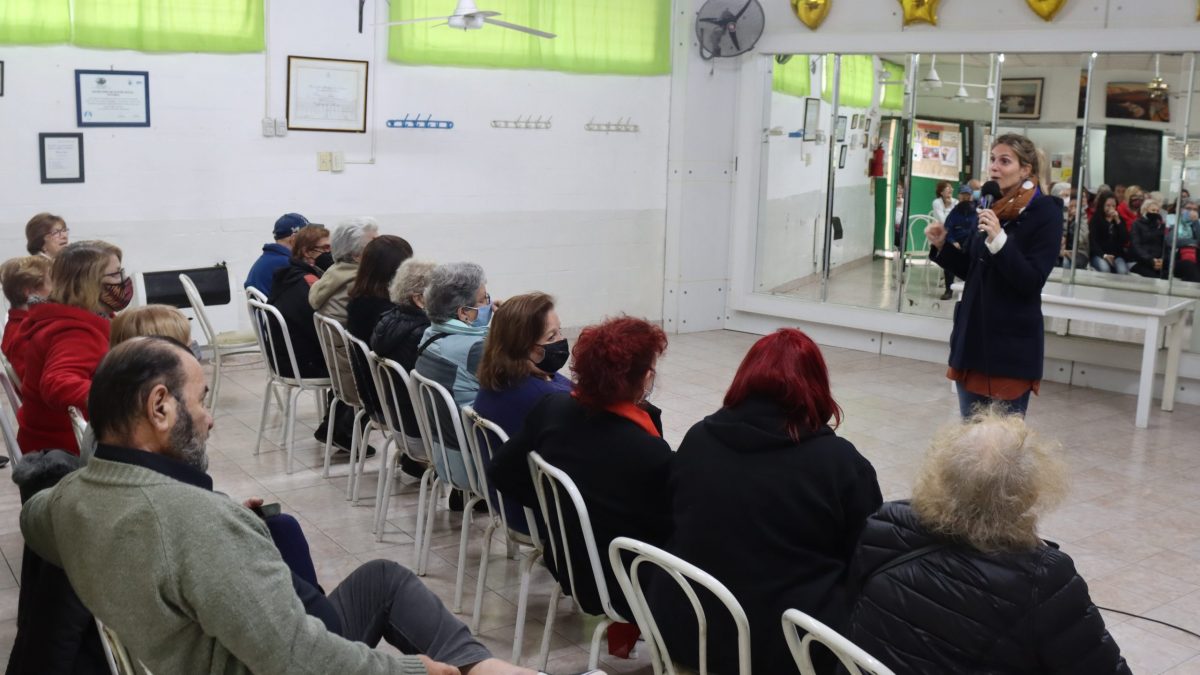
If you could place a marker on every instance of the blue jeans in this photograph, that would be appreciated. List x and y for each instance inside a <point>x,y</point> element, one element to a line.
<point>1118,265</point>
<point>967,402</point>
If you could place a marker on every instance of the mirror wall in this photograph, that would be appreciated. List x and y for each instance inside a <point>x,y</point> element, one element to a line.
<point>850,181</point>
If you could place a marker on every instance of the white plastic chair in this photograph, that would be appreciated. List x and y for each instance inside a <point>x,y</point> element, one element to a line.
<point>333,339</point>
<point>265,317</point>
<point>482,435</point>
<point>685,575</point>
<point>548,478</point>
<point>853,658</point>
<point>228,343</point>
<point>8,417</point>
<point>368,396</point>
<point>390,379</point>
<point>919,220</point>
<point>436,408</point>
<point>255,294</point>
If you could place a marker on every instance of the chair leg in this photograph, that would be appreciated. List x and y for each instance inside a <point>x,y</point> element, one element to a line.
<point>594,654</point>
<point>385,476</point>
<point>216,387</point>
<point>290,428</point>
<point>362,459</point>
<point>262,419</point>
<point>427,479</point>
<point>483,566</point>
<point>468,511</point>
<point>523,603</point>
<point>427,534</point>
<point>355,441</point>
<point>551,613</point>
<point>329,417</point>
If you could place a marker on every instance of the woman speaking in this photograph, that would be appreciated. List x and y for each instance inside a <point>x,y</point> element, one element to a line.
<point>997,342</point>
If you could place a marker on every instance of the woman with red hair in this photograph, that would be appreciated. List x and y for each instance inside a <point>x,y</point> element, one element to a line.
<point>608,439</point>
<point>767,499</point>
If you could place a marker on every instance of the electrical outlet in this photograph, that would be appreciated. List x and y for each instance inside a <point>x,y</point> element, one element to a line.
<point>323,161</point>
<point>337,161</point>
<point>281,126</point>
<point>268,126</point>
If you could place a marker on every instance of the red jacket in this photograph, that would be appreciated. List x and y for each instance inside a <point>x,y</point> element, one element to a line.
<point>12,347</point>
<point>64,344</point>
<point>1128,215</point>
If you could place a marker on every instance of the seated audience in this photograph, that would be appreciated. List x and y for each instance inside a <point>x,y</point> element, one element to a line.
<point>1146,241</point>
<point>369,292</point>
<point>961,223</point>
<point>943,201</point>
<point>523,353</point>
<point>1131,206</point>
<point>1186,232</point>
<point>770,501</point>
<point>1119,192</point>
<point>959,581</point>
<point>46,234</point>
<point>160,320</point>
<point>26,281</point>
<point>277,255</point>
<point>1108,240</point>
<point>66,337</point>
<point>607,437</point>
<point>1068,257</point>
<point>211,593</point>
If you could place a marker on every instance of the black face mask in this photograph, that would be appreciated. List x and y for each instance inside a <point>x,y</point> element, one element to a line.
<point>1153,218</point>
<point>555,357</point>
<point>324,261</point>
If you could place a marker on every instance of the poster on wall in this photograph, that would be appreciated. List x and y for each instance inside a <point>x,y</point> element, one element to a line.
<point>937,151</point>
<point>326,94</point>
<point>61,157</point>
<point>112,98</point>
<point>1133,101</point>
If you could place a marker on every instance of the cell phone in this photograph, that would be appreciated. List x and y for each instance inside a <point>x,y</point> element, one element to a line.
<point>267,510</point>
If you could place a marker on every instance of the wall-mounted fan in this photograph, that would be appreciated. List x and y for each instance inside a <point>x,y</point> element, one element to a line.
<point>469,17</point>
<point>728,27</point>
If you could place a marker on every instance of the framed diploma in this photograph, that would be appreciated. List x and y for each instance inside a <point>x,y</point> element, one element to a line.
<point>112,98</point>
<point>62,157</point>
<point>1,78</point>
<point>326,94</point>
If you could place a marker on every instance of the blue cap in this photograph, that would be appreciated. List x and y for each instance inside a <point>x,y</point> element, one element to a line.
<point>288,223</point>
<point>964,189</point>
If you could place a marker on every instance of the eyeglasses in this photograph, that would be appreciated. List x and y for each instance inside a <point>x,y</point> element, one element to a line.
<point>487,300</point>
<point>324,249</point>
<point>58,231</point>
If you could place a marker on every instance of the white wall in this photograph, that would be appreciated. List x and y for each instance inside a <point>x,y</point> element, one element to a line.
<point>575,213</point>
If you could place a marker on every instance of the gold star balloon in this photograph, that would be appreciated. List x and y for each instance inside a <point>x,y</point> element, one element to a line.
<point>1046,8</point>
<point>811,12</point>
<point>920,10</point>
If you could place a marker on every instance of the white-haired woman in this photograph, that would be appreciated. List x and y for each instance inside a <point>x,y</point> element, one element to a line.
<point>958,580</point>
<point>330,295</point>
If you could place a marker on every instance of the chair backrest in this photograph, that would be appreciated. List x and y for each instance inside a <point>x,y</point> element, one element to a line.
<point>853,658</point>
<point>485,437</point>
<point>253,293</point>
<point>14,382</point>
<point>394,389</point>
<point>333,337</point>
<point>78,424</point>
<point>439,414</point>
<point>915,221</point>
<point>164,287</point>
<point>267,321</point>
<point>554,486</point>
<point>197,303</point>
<point>8,416</point>
<point>364,377</point>
<point>255,323</point>
<point>686,575</point>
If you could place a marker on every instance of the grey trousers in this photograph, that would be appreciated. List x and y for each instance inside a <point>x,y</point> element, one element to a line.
<point>385,600</point>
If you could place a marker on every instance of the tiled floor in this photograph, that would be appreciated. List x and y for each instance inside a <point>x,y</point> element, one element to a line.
<point>1132,521</point>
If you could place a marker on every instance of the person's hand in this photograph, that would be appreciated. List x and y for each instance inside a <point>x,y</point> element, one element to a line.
<point>1111,259</point>
<point>253,503</point>
<point>436,668</point>
<point>935,233</point>
<point>1158,263</point>
<point>989,223</point>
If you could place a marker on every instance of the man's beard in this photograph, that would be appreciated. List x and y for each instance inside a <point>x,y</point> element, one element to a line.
<point>186,444</point>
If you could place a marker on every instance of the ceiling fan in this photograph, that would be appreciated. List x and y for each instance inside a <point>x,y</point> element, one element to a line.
<point>469,17</point>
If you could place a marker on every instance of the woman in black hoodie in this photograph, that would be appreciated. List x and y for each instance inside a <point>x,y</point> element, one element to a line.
<point>767,499</point>
<point>1108,240</point>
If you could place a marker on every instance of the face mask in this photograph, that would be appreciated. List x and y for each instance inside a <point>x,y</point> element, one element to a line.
<point>324,261</point>
<point>117,296</point>
<point>555,356</point>
<point>976,194</point>
<point>649,390</point>
<point>483,316</point>
<point>1153,217</point>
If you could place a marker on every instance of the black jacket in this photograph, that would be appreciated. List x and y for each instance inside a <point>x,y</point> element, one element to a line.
<point>998,326</point>
<point>363,313</point>
<point>1149,238</point>
<point>289,294</point>
<point>1107,237</point>
<point>773,519</point>
<point>397,336</point>
<point>620,470</point>
<point>957,610</point>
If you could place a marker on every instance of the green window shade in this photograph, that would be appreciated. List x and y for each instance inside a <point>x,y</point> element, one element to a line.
<point>792,77</point>
<point>24,22</point>
<point>624,37</point>
<point>170,25</point>
<point>858,80</point>
<point>893,94</point>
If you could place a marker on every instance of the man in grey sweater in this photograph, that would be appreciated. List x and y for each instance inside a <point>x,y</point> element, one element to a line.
<point>191,580</point>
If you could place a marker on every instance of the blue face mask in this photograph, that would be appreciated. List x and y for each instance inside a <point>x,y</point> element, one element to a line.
<point>976,194</point>
<point>483,316</point>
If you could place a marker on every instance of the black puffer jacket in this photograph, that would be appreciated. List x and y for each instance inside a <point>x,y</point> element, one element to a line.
<point>956,610</point>
<point>289,294</point>
<point>397,337</point>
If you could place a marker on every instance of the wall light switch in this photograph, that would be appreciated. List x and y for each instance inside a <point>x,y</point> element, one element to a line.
<point>323,161</point>
<point>337,161</point>
<point>268,126</point>
<point>281,126</point>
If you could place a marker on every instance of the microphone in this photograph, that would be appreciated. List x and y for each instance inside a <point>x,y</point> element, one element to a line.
<point>989,193</point>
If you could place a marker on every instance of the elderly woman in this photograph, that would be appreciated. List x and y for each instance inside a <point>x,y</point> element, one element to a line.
<point>330,295</point>
<point>160,320</point>
<point>958,580</point>
<point>26,281</point>
<point>1148,241</point>
<point>46,234</point>
<point>608,439</point>
<point>459,310</point>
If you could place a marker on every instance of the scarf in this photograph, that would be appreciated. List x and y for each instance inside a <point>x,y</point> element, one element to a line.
<point>456,327</point>
<point>635,414</point>
<point>1013,202</point>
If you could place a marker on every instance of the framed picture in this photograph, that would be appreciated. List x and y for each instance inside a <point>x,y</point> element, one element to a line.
<point>1132,101</point>
<point>841,129</point>
<point>61,157</point>
<point>812,118</point>
<point>326,94</point>
<point>1,78</point>
<point>112,98</point>
<point>842,157</point>
<point>1021,99</point>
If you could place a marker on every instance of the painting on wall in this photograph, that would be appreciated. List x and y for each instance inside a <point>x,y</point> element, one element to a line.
<point>1021,99</point>
<point>1132,101</point>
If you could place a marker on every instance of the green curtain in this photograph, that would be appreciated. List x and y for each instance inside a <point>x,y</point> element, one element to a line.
<point>170,25</point>
<point>893,94</point>
<point>858,80</point>
<point>35,21</point>
<point>793,77</point>
<point>625,37</point>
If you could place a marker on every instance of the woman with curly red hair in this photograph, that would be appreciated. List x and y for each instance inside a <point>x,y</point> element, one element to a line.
<point>767,499</point>
<point>608,438</point>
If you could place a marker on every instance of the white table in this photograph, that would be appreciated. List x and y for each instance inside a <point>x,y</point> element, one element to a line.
<point>1135,310</point>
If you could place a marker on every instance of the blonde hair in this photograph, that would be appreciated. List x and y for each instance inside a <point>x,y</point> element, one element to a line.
<point>78,274</point>
<point>412,278</point>
<point>20,276</point>
<point>1027,153</point>
<point>1147,203</point>
<point>159,320</point>
<point>1133,192</point>
<point>987,481</point>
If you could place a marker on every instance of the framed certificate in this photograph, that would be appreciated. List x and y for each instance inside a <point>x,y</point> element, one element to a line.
<point>61,157</point>
<point>112,98</point>
<point>326,94</point>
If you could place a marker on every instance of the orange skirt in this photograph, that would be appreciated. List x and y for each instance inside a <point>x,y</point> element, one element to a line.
<point>992,386</point>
